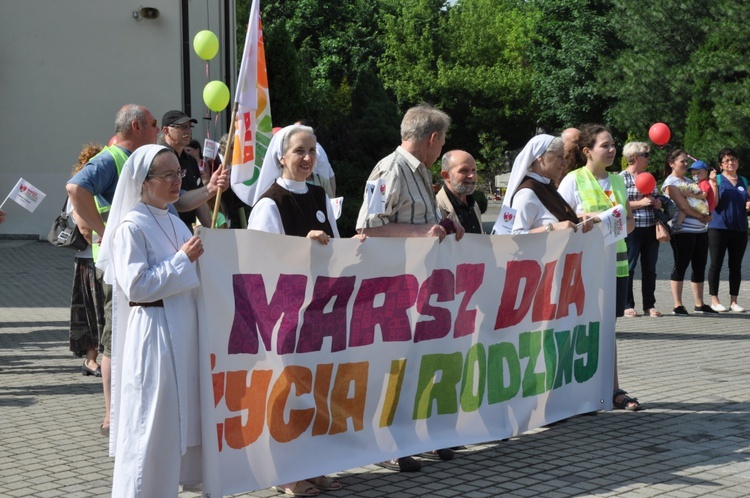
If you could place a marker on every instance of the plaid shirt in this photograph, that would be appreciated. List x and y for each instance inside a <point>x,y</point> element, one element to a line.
<point>644,217</point>
<point>408,192</point>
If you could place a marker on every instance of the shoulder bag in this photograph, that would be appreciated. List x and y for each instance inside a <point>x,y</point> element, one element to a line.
<point>64,232</point>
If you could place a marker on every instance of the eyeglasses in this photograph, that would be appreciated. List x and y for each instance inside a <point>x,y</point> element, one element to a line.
<point>643,154</point>
<point>153,123</point>
<point>171,176</point>
<point>183,127</point>
<point>729,160</point>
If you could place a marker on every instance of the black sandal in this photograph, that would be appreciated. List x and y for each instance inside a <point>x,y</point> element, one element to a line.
<point>628,403</point>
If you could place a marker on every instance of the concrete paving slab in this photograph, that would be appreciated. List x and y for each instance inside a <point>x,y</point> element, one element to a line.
<point>691,373</point>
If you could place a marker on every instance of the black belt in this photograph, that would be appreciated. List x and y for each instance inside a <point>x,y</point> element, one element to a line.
<point>155,304</point>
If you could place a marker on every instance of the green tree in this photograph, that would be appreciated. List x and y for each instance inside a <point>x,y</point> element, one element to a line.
<point>285,75</point>
<point>719,114</point>
<point>412,34</point>
<point>483,77</point>
<point>468,59</point>
<point>651,80</point>
<point>574,40</point>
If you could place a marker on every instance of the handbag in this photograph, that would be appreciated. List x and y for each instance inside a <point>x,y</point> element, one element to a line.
<point>663,233</point>
<point>64,232</point>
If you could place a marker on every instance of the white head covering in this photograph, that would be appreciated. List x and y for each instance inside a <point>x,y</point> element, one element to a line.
<point>271,168</point>
<point>127,195</point>
<point>530,153</point>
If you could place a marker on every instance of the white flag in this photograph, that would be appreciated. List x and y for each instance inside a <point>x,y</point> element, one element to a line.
<point>253,128</point>
<point>26,195</point>
<point>504,223</point>
<point>614,224</point>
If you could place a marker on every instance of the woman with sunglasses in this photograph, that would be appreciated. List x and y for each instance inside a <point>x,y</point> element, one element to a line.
<point>642,243</point>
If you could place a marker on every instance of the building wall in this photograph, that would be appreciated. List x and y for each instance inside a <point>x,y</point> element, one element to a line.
<point>67,66</point>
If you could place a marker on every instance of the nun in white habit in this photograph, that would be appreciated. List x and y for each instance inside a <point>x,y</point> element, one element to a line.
<point>149,255</point>
<point>284,202</point>
<point>531,189</point>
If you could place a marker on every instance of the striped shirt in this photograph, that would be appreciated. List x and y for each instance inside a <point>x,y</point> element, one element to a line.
<point>409,197</point>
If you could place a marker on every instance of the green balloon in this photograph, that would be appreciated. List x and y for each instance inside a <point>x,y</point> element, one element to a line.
<point>216,96</point>
<point>206,45</point>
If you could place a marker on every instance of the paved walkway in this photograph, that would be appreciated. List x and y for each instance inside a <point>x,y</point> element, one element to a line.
<point>692,374</point>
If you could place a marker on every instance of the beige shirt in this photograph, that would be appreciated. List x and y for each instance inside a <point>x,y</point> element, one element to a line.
<point>447,210</point>
<point>409,198</point>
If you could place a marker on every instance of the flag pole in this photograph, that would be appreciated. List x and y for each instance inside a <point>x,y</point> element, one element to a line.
<point>227,163</point>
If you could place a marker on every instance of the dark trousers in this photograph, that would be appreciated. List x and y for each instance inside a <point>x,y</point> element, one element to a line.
<point>719,243</point>
<point>642,244</point>
<point>689,249</point>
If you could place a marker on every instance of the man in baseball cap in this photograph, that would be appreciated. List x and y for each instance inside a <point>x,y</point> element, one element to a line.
<point>176,118</point>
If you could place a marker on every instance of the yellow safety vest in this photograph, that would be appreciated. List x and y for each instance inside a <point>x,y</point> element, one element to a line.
<point>120,156</point>
<point>594,200</point>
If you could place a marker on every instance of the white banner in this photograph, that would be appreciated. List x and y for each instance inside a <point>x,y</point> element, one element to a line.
<point>317,359</point>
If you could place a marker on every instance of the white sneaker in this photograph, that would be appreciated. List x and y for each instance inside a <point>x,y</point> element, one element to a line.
<point>736,308</point>
<point>719,307</point>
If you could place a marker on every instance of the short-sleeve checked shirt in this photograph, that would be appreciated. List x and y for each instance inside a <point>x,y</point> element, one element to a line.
<point>409,197</point>
<point>644,217</point>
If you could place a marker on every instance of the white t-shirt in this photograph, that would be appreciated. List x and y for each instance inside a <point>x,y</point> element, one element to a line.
<point>568,190</point>
<point>691,224</point>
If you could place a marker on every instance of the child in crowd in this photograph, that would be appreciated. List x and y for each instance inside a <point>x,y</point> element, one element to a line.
<point>700,195</point>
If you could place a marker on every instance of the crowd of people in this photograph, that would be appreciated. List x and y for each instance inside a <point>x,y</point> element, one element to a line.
<point>133,309</point>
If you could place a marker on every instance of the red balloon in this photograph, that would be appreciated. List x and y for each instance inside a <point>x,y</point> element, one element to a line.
<point>113,140</point>
<point>645,183</point>
<point>659,133</point>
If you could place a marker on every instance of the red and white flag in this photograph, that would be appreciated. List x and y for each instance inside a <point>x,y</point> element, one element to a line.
<point>27,195</point>
<point>253,128</point>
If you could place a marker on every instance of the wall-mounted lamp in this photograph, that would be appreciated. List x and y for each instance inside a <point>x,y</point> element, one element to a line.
<point>146,13</point>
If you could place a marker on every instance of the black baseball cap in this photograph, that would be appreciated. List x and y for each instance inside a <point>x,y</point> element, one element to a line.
<point>176,118</point>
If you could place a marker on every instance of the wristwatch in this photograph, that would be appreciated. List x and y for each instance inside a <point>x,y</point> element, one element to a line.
<point>550,227</point>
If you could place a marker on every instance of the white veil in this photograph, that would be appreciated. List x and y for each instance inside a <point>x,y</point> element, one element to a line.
<point>271,168</point>
<point>530,153</point>
<point>127,195</point>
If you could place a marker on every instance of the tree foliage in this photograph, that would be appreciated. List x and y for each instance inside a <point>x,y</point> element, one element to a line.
<point>573,44</point>
<point>499,67</point>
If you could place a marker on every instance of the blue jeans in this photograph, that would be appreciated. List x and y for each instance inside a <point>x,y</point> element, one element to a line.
<point>642,244</point>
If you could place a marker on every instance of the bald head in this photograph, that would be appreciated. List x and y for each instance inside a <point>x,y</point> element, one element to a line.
<point>573,157</point>
<point>570,135</point>
<point>459,170</point>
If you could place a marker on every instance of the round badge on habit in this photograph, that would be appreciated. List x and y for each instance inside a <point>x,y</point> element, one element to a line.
<point>320,216</point>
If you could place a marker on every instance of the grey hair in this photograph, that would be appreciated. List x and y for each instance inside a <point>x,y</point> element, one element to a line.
<point>556,145</point>
<point>632,149</point>
<point>126,116</point>
<point>293,130</point>
<point>445,164</point>
<point>422,121</point>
